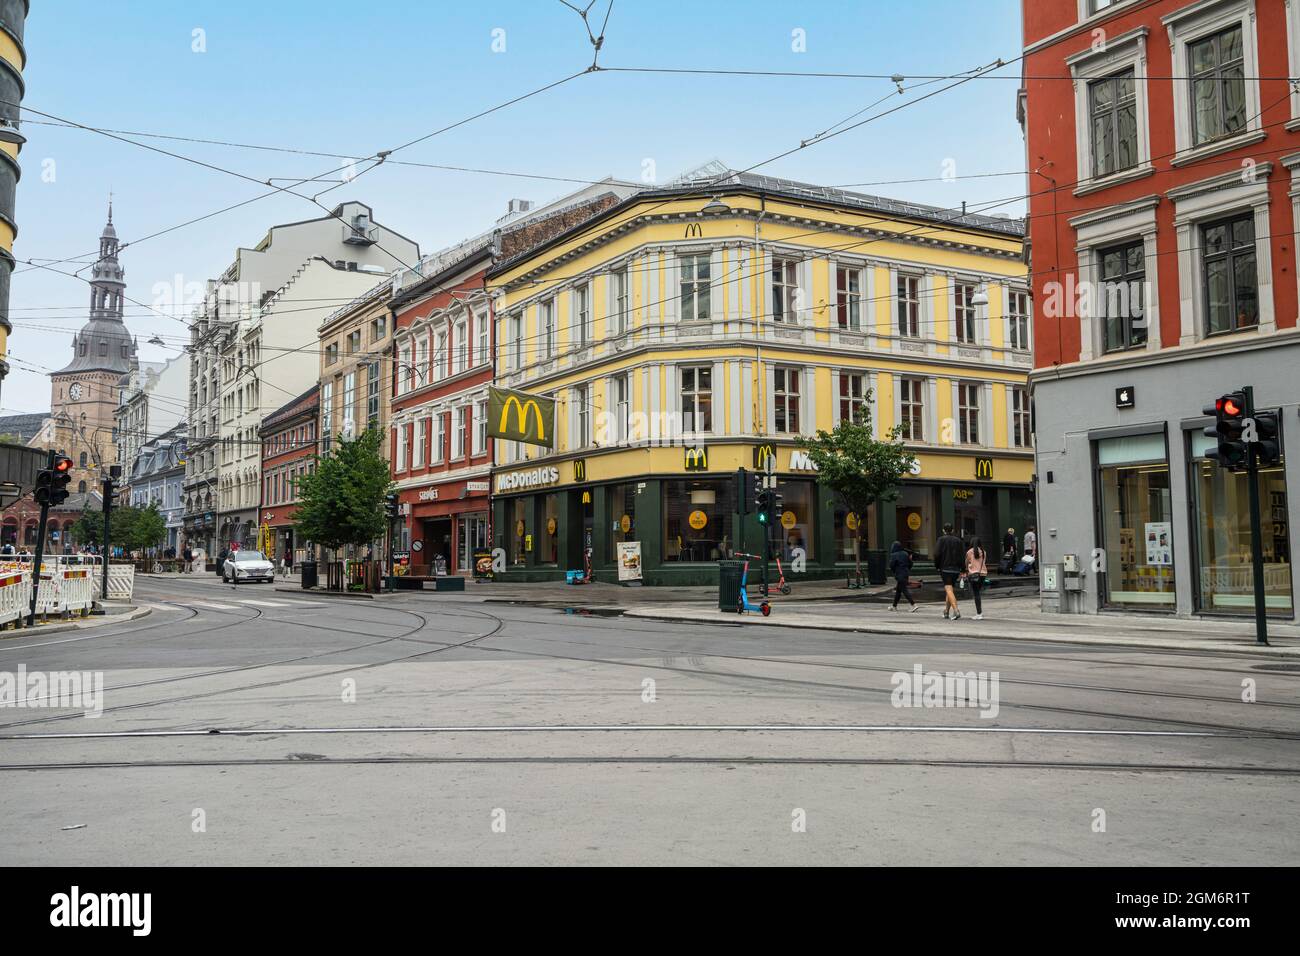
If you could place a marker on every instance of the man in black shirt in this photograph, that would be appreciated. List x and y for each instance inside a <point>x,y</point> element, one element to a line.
<point>950,559</point>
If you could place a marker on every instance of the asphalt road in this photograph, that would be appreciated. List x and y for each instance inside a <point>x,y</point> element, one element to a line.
<point>258,727</point>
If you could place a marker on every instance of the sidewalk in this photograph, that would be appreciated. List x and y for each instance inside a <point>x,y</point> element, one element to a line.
<point>114,613</point>
<point>1017,619</point>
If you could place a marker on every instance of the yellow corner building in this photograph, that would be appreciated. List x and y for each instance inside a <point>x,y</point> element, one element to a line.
<point>13,59</point>
<point>690,328</point>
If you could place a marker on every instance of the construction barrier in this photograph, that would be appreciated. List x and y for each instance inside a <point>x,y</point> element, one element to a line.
<point>76,590</point>
<point>121,582</point>
<point>48,594</point>
<point>15,596</point>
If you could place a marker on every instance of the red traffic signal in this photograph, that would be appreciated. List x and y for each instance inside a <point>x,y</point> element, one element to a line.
<point>1230,407</point>
<point>62,465</point>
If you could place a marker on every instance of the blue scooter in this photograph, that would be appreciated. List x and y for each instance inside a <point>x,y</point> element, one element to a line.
<point>743,603</point>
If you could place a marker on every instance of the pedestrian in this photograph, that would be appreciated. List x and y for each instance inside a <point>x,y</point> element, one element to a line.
<point>977,571</point>
<point>950,559</point>
<point>1031,543</point>
<point>286,565</point>
<point>900,564</point>
<point>1009,544</point>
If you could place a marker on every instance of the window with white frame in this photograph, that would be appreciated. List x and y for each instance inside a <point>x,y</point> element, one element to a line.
<point>852,397</point>
<point>582,314</point>
<point>546,325</point>
<point>785,290</point>
<point>438,361</point>
<point>326,411</point>
<point>372,393</point>
<point>785,396</point>
<point>422,361</point>
<point>417,445</point>
<point>458,431</point>
<point>1020,424</point>
<point>399,463</point>
<point>1123,275</point>
<point>963,294</point>
<point>622,406</point>
<point>438,450</point>
<point>911,408</point>
<point>405,373</point>
<point>968,412</point>
<point>908,294</point>
<point>697,399</point>
<point>1216,64</point>
<point>480,427</point>
<point>1018,320</point>
<point>618,292</point>
<point>1215,57</point>
<point>1112,110</point>
<point>516,341</point>
<point>349,398</point>
<point>695,279</point>
<point>459,347</point>
<point>582,400</point>
<point>848,293</point>
<point>1231,276</point>
<point>481,351</point>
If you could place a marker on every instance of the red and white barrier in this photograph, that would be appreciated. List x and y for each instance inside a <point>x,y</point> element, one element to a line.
<point>15,595</point>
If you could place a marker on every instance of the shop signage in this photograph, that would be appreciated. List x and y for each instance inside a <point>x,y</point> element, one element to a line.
<point>697,458</point>
<point>984,469</point>
<point>698,519</point>
<point>476,486</point>
<point>915,468</point>
<point>788,520</point>
<point>550,526</point>
<point>580,469</point>
<point>401,563</point>
<point>546,475</point>
<point>851,521</point>
<point>429,494</point>
<point>799,461</point>
<point>761,454</point>
<point>518,416</point>
<point>914,520</point>
<point>629,560</point>
<point>625,523</point>
<point>417,545</point>
<point>528,542</point>
<point>962,494</point>
<point>482,563</point>
<point>586,497</point>
<point>1125,396</point>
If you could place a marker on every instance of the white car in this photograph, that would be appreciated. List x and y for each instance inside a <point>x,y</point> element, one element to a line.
<point>247,566</point>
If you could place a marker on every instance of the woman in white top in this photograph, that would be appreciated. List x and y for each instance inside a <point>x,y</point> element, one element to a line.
<point>977,570</point>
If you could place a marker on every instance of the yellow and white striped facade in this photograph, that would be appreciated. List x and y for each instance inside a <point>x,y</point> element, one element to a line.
<point>13,59</point>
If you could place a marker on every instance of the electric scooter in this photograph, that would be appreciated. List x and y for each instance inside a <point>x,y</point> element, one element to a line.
<point>782,584</point>
<point>743,603</point>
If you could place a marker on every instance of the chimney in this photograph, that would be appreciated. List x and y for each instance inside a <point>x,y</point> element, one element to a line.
<point>519,205</point>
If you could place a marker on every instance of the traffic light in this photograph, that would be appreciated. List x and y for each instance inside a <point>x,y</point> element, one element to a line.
<point>746,489</point>
<point>1268,451</point>
<point>391,507</point>
<point>761,504</point>
<point>1229,413</point>
<point>52,483</point>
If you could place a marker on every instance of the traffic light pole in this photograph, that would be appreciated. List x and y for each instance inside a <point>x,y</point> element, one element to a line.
<point>40,547</point>
<point>107,487</point>
<point>1256,528</point>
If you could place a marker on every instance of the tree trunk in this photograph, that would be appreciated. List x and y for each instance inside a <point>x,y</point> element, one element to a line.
<point>857,551</point>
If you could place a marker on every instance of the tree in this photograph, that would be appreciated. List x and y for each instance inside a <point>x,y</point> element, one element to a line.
<point>859,468</point>
<point>148,528</point>
<point>88,529</point>
<point>342,501</point>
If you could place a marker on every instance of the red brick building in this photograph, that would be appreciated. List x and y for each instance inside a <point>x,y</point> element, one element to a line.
<point>288,452</point>
<point>1163,149</point>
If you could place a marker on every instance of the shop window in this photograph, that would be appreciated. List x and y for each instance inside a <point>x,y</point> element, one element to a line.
<point>847,525</point>
<point>697,519</point>
<point>622,517</point>
<point>1136,521</point>
<point>550,543</point>
<point>916,518</point>
<point>798,519</point>
<point>1225,582</point>
<point>517,511</point>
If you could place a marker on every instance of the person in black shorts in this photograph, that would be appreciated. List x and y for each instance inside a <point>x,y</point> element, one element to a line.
<point>950,559</point>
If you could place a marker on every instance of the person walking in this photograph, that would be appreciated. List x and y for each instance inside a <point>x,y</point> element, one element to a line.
<point>950,559</point>
<point>900,565</point>
<point>1031,544</point>
<point>977,570</point>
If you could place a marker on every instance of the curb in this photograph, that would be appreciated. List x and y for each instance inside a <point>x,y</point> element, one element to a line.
<point>134,614</point>
<point>312,592</point>
<point>1247,646</point>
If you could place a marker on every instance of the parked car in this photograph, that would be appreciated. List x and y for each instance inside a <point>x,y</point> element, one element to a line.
<point>247,566</point>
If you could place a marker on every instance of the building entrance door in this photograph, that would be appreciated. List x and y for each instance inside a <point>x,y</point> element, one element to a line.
<point>437,542</point>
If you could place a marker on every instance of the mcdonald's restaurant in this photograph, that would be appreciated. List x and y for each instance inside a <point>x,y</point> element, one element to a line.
<point>666,515</point>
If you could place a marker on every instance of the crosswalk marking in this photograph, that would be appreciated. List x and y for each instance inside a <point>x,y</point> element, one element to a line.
<point>262,603</point>
<point>215,607</point>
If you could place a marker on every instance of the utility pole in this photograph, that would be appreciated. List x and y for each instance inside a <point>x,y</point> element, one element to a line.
<point>51,489</point>
<point>114,472</point>
<point>1256,531</point>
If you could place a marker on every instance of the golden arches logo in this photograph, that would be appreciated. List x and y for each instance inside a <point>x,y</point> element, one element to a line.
<point>984,469</point>
<point>697,459</point>
<point>694,231</point>
<point>522,410</point>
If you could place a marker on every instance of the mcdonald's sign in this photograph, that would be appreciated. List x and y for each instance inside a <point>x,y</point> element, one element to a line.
<point>580,469</point>
<point>694,231</point>
<point>697,458</point>
<point>984,469</point>
<point>761,454</point>
<point>533,421</point>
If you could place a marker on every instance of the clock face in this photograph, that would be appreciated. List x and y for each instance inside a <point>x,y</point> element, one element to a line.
<point>75,391</point>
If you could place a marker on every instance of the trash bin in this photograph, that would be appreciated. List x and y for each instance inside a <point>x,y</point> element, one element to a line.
<point>876,567</point>
<point>729,574</point>
<point>308,571</point>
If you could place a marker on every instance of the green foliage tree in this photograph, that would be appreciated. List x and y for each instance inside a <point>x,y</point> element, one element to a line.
<point>121,527</point>
<point>148,528</point>
<point>859,468</point>
<point>88,529</point>
<point>342,501</point>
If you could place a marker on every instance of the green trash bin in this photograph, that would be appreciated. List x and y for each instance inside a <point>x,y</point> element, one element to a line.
<point>729,574</point>
<point>876,567</point>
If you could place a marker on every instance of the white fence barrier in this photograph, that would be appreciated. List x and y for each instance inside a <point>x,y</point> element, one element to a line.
<point>76,590</point>
<point>48,595</point>
<point>121,582</point>
<point>15,595</point>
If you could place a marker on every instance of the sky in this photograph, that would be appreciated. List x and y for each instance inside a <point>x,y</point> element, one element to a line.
<point>348,80</point>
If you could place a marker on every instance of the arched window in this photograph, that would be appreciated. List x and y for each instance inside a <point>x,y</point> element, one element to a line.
<point>83,459</point>
<point>81,487</point>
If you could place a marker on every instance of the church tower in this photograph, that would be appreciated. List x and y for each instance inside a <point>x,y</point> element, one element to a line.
<point>84,393</point>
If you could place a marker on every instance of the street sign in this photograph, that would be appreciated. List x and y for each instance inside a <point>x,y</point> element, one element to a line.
<point>769,463</point>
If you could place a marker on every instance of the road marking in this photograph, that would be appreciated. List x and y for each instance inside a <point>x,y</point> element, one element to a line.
<point>264,603</point>
<point>215,607</point>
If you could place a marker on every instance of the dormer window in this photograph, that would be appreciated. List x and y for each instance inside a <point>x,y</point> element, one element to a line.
<point>103,349</point>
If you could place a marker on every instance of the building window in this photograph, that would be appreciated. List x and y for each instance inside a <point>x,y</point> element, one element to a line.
<point>82,460</point>
<point>417,449</point>
<point>968,412</point>
<point>619,299</point>
<point>1123,272</point>
<point>1136,521</point>
<point>785,286</point>
<point>1020,421</point>
<point>697,519</point>
<point>1112,109</point>
<point>372,394</point>
<point>696,276</point>
<point>697,399</point>
<point>785,395</point>
<point>349,399</point>
<point>1018,321</point>
<point>964,312</point>
<point>399,463</point>
<point>622,406</point>
<point>326,413</point>
<point>331,353</point>
<point>481,351</point>
<point>911,408</point>
<point>1218,87</point>
<point>517,341</point>
<point>438,450</point>
<point>458,433</point>
<point>848,305</point>
<point>909,306</point>
<point>582,314</point>
<point>459,347</point>
<point>480,427</point>
<point>582,399</point>
<point>404,371</point>
<point>103,349</point>
<point>1231,280</point>
<point>853,391</point>
<point>354,342</point>
<point>378,328</point>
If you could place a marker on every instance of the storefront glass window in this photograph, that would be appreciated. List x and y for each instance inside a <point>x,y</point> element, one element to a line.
<point>1226,573</point>
<point>916,519</point>
<point>551,531</point>
<point>798,519</point>
<point>973,512</point>
<point>847,529</point>
<point>622,516</point>
<point>1137,521</point>
<point>697,519</point>
<point>518,528</point>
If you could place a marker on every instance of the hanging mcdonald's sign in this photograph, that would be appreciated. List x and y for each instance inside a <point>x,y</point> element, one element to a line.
<point>518,416</point>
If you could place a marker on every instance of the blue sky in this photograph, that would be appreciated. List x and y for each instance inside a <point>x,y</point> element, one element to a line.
<point>351,79</point>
